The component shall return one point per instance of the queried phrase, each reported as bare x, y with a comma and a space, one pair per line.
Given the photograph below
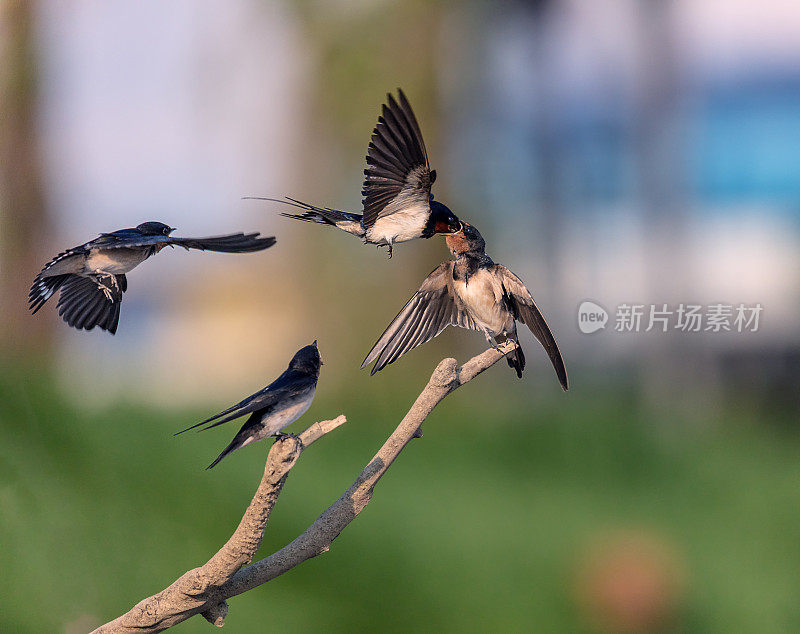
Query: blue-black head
307, 360
442, 219
154, 229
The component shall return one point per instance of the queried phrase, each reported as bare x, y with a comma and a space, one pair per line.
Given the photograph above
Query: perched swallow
397, 200
92, 279
470, 292
276, 406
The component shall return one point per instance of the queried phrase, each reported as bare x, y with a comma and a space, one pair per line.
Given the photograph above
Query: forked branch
204, 590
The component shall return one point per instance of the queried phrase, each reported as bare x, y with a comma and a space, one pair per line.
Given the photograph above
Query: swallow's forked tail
344, 220
235, 444
516, 360
43, 289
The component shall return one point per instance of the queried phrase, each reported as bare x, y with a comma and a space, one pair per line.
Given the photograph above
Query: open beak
454, 226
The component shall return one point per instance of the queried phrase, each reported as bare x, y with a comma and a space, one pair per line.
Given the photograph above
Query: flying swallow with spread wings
397, 202
91, 277
469, 292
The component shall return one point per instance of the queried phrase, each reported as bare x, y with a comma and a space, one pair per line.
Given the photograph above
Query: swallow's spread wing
87, 302
233, 243
398, 177
526, 311
285, 386
427, 313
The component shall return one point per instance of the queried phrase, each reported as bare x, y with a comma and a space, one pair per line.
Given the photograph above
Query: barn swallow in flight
276, 406
92, 279
470, 292
396, 197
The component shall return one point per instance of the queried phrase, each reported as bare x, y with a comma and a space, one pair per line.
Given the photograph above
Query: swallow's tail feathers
233, 243
43, 289
245, 436
516, 359
233, 446
345, 220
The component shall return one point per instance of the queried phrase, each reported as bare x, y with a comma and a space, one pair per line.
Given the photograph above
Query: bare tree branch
197, 591
204, 590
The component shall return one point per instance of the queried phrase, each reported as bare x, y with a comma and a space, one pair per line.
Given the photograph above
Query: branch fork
229, 572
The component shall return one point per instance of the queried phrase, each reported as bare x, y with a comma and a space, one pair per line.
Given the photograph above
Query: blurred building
630, 151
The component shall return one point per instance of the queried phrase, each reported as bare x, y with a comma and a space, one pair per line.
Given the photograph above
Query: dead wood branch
204, 590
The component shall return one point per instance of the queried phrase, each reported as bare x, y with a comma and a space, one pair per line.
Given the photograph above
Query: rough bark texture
204, 590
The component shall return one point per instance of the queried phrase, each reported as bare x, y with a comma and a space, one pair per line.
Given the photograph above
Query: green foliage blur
631, 504
506, 516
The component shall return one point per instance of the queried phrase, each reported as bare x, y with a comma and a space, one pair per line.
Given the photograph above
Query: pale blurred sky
175, 111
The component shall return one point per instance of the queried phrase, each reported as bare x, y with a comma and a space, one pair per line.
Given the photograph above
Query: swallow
91, 277
470, 292
397, 202
276, 406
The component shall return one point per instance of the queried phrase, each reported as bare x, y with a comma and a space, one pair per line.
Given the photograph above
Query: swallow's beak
315, 344
455, 225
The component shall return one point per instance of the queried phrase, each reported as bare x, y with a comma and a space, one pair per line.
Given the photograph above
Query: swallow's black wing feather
427, 313
86, 302
261, 400
398, 177
233, 243
526, 311
285, 386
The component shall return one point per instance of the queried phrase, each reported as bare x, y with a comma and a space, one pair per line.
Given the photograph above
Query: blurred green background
573, 514
625, 151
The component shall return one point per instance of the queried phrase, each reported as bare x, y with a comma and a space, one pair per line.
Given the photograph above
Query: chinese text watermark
671, 317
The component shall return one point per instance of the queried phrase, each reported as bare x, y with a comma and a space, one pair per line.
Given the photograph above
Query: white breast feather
400, 226
483, 304
115, 261
289, 414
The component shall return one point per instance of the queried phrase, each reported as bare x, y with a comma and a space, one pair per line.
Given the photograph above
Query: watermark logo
665, 317
591, 317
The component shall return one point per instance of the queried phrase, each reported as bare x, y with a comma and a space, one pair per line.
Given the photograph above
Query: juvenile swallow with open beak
470, 292
276, 406
91, 277
397, 202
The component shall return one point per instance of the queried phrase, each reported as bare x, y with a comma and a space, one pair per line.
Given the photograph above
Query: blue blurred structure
637, 152
625, 151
